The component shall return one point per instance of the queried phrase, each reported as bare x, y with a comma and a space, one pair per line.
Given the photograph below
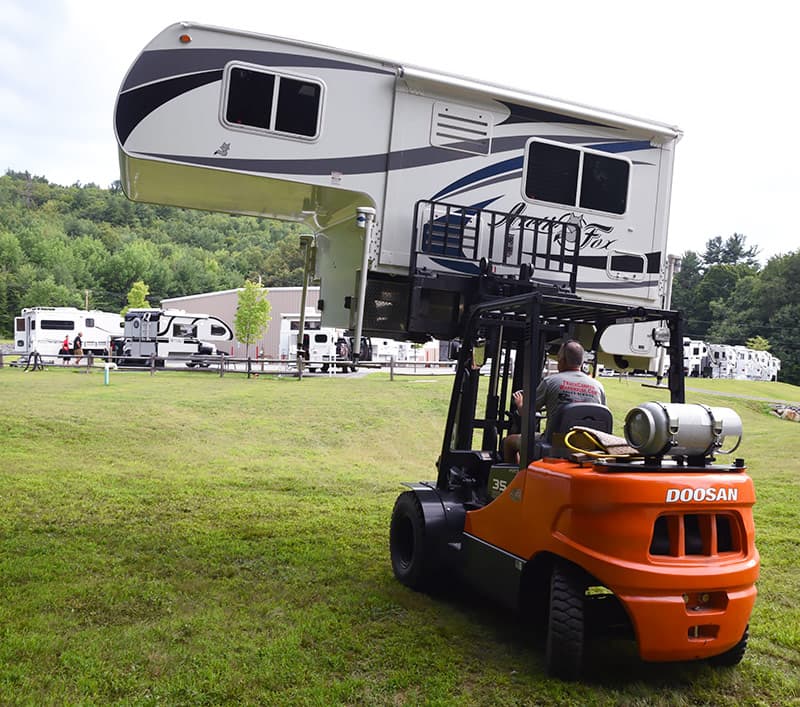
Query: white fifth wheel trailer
43, 330
426, 192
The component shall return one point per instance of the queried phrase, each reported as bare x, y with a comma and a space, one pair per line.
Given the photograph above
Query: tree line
69, 246
66, 246
727, 297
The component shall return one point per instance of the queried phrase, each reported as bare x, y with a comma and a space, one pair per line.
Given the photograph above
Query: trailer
161, 334
415, 183
42, 330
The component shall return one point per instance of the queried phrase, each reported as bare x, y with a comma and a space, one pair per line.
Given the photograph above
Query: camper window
179, 330
57, 324
251, 94
217, 330
562, 174
89, 322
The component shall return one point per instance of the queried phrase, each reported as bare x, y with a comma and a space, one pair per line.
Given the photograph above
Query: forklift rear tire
732, 656
566, 622
408, 545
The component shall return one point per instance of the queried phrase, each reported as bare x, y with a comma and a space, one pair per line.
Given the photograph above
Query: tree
757, 343
137, 297
252, 314
733, 251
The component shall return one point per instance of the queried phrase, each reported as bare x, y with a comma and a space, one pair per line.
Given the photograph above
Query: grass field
189, 539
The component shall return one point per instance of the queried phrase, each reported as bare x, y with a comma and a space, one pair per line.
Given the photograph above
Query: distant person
569, 385
77, 347
65, 353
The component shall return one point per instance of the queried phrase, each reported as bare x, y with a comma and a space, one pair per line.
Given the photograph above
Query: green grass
187, 539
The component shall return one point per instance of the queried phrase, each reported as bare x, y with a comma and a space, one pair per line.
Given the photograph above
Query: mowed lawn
189, 539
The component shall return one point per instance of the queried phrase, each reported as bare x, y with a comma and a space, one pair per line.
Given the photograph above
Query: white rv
323, 346
170, 333
723, 360
426, 192
43, 330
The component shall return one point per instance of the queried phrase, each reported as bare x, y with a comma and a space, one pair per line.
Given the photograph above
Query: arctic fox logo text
711, 494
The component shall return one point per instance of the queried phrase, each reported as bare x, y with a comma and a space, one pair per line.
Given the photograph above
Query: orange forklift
656, 542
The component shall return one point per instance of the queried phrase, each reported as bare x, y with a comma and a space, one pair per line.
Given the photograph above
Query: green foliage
137, 297
757, 343
732, 251
252, 314
82, 237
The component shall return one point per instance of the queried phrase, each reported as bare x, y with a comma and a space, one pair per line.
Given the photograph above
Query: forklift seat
593, 415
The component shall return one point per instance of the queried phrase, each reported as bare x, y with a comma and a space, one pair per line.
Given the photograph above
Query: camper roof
414, 74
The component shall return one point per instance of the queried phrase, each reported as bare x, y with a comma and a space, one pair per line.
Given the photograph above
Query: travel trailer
169, 333
43, 330
426, 192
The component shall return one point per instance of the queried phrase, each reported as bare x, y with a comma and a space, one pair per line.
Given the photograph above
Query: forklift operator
569, 385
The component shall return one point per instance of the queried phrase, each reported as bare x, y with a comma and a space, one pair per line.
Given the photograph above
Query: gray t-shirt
568, 387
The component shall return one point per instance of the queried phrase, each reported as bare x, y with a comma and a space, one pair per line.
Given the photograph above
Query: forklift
656, 543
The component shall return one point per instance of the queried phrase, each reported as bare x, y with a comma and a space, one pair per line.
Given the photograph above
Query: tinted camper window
57, 324
298, 107
269, 101
571, 176
250, 98
217, 330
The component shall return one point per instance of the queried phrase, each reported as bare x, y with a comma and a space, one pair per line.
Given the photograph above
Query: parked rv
170, 334
43, 329
321, 346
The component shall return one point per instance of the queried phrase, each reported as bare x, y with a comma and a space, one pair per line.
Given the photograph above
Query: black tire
732, 656
409, 546
566, 625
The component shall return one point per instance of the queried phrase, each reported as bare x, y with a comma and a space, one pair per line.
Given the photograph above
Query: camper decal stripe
469, 268
134, 106
367, 164
158, 64
527, 114
615, 147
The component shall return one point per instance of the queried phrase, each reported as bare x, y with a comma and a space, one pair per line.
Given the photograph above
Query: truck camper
169, 334
43, 329
415, 183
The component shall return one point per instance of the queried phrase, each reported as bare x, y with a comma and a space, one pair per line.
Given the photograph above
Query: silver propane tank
681, 429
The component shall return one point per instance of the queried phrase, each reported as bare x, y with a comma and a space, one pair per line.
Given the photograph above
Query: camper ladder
461, 240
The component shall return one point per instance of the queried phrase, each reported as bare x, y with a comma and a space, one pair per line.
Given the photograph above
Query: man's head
570, 356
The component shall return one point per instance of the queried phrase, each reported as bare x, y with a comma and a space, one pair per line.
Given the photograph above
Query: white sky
726, 73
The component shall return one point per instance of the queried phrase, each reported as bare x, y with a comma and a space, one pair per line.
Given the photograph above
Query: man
569, 385
77, 347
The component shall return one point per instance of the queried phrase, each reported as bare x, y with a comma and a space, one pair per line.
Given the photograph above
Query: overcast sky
725, 73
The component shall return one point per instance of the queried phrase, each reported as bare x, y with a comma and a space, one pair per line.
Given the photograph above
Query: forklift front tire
566, 622
408, 545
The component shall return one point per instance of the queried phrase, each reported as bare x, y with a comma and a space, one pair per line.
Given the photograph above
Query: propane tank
681, 429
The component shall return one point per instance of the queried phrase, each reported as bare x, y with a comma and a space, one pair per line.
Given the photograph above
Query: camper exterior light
185, 39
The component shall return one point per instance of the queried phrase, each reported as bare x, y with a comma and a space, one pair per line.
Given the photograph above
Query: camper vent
462, 129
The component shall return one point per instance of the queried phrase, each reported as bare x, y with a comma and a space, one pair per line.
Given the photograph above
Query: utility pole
86, 300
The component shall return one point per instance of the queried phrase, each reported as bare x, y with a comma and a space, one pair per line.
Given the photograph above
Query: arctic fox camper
43, 329
426, 192
170, 333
